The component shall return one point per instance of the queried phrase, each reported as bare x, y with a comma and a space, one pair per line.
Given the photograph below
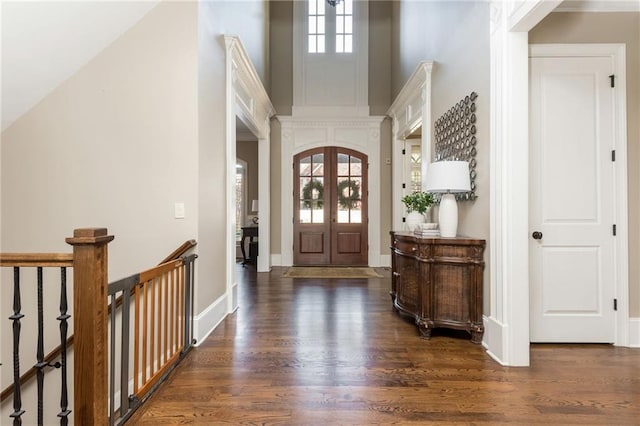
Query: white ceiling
46, 42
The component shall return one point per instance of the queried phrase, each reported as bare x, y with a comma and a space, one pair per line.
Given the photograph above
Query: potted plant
417, 205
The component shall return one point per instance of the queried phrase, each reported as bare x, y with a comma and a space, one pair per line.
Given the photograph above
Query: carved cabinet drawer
405, 247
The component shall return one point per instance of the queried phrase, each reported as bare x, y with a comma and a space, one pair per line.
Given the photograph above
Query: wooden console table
438, 282
248, 232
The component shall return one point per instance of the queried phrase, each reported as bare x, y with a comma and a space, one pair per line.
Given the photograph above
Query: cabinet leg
476, 336
425, 331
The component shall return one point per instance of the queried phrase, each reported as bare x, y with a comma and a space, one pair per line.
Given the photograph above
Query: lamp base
448, 216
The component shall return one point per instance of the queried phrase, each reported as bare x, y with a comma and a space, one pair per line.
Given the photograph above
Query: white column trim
247, 99
507, 337
410, 110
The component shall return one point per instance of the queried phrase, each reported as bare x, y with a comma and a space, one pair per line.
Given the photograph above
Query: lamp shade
448, 177
254, 206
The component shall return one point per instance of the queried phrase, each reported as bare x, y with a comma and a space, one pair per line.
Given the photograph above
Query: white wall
140, 127
455, 35
248, 20
114, 146
32, 32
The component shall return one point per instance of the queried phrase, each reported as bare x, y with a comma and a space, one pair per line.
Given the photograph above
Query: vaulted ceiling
45, 43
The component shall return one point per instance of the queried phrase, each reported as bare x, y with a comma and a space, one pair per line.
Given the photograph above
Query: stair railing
94, 382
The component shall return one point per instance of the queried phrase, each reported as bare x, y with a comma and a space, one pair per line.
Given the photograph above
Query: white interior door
572, 264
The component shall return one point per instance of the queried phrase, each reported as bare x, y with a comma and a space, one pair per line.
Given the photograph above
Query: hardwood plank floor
317, 352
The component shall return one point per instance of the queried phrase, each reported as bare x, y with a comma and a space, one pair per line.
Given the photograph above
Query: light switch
178, 210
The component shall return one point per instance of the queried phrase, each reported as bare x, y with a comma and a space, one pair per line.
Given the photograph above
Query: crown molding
599, 6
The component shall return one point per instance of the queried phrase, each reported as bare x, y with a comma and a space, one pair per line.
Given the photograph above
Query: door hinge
613, 155
614, 230
615, 304
404, 151
404, 219
612, 79
404, 185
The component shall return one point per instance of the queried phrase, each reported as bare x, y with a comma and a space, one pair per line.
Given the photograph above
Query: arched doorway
330, 215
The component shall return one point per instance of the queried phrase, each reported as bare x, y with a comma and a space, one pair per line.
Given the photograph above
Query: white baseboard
493, 340
207, 320
385, 260
634, 332
276, 260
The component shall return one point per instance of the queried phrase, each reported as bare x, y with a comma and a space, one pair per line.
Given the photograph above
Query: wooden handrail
44, 260
185, 247
62, 260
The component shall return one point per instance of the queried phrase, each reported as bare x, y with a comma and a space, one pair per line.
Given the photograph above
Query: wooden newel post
90, 325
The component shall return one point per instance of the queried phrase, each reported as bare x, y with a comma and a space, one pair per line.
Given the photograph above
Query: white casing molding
524, 15
507, 336
410, 110
247, 99
617, 57
359, 134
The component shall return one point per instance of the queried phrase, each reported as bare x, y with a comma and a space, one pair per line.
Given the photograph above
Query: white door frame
410, 110
361, 134
247, 99
616, 54
507, 322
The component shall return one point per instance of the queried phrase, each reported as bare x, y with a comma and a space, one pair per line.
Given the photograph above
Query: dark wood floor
309, 351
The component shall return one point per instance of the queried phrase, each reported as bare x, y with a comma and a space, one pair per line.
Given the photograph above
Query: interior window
316, 26
344, 26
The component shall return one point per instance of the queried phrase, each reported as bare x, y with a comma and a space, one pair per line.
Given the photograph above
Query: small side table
250, 232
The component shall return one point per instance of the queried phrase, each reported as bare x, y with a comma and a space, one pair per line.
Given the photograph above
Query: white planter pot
413, 219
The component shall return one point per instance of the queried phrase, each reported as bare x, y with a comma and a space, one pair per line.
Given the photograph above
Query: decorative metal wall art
455, 137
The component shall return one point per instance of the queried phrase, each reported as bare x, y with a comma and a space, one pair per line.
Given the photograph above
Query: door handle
537, 235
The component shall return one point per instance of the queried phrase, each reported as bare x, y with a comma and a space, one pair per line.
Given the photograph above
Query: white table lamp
448, 177
254, 208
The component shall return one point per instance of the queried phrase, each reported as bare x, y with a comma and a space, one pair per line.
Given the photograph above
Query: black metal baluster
124, 352
64, 316
17, 307
112, 362
40, 351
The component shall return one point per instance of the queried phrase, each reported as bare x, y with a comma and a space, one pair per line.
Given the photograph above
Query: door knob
537, 235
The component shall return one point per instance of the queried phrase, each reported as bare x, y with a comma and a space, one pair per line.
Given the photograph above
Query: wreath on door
348, 194
307, 194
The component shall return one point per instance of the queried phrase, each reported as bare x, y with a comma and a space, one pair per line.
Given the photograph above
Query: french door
330, 207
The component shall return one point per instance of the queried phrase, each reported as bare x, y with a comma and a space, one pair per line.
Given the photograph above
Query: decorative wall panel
455, 138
